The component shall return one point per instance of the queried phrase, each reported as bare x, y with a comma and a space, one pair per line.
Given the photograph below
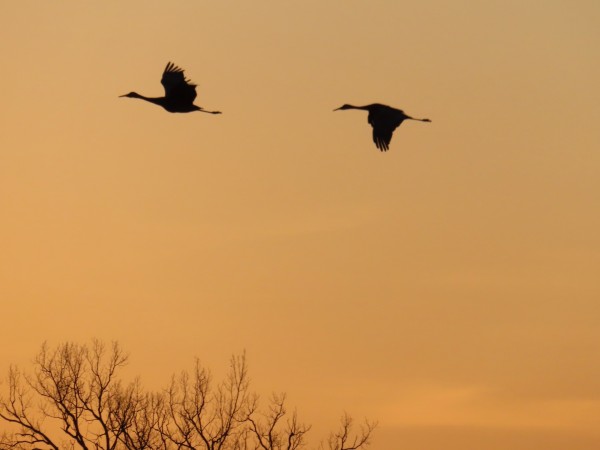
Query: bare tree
270, 432
202, 417
76, 399
77, 391
141, 417
17, 409
347, 439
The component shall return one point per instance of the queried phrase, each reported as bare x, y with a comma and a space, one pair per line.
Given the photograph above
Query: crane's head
346, 106
131, 95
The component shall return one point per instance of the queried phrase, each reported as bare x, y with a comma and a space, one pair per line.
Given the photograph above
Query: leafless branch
269, 431
75, 399
346, 439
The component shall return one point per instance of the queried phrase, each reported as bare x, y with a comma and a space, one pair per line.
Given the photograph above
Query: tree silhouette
269, 431
76, 399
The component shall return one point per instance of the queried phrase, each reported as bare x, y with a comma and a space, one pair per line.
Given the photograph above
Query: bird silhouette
179, 92
384, 120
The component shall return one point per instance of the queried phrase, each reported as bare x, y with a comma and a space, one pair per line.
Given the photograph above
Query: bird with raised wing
384, 120
180, 93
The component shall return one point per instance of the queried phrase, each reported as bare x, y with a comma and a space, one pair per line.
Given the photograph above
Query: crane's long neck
156, 100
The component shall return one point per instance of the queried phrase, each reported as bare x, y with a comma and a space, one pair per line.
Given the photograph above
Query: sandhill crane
179, 93
384, 120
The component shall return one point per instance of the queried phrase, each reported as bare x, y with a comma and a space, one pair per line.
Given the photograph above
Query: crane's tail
209, 112
420, 120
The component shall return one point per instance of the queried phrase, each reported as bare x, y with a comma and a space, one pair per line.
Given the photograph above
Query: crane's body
384, 120
179, 93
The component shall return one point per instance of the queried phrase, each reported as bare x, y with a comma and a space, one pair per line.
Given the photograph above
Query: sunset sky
449, 288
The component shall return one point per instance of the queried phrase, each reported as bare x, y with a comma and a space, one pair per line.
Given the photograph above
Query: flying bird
179, 92
384, 120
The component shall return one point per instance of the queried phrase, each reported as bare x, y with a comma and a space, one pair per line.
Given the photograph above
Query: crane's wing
382, 138
176, 86
383, 129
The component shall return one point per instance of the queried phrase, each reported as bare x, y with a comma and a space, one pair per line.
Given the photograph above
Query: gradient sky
449, 288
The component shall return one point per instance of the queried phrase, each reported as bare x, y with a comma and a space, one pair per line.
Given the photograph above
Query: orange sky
448, 288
